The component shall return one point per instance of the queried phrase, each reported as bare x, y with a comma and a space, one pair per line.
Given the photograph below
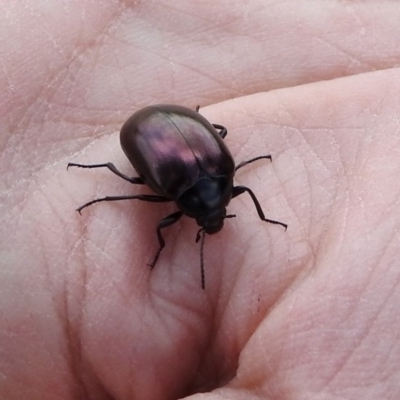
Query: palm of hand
310, 312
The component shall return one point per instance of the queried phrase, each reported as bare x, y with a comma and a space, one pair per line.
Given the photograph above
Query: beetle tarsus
155, 259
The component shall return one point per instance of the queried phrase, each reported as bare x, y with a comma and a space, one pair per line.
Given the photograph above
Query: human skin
310, 313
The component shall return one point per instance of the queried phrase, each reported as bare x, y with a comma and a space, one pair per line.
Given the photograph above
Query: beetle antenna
203, 235
198, 235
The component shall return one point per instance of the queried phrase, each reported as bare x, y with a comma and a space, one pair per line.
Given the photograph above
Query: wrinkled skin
311, 313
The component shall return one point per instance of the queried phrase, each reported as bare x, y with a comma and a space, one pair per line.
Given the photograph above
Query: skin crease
311, 313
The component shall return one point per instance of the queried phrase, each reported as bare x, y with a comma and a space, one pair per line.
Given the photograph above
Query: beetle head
213, 221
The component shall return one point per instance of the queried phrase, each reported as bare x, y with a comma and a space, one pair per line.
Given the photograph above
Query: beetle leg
222, 130
143, 197
243, 163
238, 190
167, 221
112, 168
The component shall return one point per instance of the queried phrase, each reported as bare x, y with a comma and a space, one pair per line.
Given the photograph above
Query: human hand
307, 313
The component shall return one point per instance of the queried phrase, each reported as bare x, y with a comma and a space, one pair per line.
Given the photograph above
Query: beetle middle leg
243, 163
113, 169
167, 221
238, 190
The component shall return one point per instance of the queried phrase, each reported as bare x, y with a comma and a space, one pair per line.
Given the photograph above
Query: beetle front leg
238, 190
112, 168
167, 221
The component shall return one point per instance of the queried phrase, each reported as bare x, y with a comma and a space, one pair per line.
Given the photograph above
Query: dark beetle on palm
182, 157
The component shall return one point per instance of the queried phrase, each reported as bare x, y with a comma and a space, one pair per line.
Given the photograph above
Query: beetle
182, 157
